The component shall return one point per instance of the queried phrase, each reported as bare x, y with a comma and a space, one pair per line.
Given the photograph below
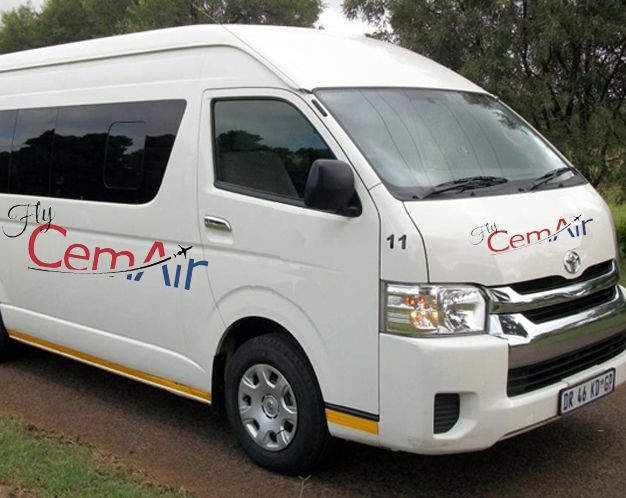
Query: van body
326, 234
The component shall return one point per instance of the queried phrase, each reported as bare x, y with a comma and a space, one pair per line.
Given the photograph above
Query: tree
152, 14
106, 17
62, 21
560, 63
18, 29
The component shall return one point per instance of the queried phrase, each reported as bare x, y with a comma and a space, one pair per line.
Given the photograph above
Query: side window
114, 152
103, 152
265, 145
32, 151
79, 148
7, 126
123, 167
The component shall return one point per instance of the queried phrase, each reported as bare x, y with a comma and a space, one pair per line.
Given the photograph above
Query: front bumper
413, 371
561, 348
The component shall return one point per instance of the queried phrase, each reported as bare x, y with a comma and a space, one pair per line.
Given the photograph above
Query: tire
8, 346
285, 384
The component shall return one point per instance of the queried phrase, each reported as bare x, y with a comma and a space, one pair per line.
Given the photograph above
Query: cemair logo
500, 241
80, 259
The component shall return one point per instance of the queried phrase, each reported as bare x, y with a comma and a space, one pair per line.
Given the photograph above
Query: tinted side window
32, 150
123, 168
7, 125
265, 145
80, 145
114, 152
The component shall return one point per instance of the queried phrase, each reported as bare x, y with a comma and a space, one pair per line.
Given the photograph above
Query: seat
258, 169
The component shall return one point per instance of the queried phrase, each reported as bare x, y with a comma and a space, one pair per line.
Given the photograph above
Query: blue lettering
192, 264
166, 275
177, 277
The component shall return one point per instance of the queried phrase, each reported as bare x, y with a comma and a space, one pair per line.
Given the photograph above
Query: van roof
304, 58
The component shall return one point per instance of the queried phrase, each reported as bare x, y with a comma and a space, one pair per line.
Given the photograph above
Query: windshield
417, 140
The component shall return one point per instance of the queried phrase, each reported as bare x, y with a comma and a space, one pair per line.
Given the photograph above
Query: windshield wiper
550, 175
471, 182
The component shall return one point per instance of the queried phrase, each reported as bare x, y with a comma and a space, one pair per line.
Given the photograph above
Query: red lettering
31, 245
69, 254
538, 235
489, 241
516, 239
114, 256
158, 248
560, 224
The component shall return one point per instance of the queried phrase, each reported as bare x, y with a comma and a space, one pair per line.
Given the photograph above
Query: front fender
266, 303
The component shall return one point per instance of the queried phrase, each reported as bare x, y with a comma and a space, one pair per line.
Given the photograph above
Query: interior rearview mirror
330, 187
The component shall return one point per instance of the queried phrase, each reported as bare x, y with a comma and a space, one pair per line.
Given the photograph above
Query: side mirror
330, 187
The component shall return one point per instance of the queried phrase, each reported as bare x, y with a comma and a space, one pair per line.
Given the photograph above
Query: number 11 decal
392, 238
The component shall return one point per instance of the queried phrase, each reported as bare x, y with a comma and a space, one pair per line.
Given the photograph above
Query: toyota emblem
571, 262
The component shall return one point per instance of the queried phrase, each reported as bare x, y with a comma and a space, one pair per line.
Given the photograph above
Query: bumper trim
532, 343
530, 378
505, 300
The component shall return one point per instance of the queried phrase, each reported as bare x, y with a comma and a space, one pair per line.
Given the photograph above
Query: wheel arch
237, 334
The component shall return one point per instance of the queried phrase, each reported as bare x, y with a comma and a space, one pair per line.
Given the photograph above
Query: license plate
584, 393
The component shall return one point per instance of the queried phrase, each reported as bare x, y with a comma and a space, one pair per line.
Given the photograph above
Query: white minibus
324, 235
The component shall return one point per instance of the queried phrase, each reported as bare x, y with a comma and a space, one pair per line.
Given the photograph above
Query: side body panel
314, 273
148, 323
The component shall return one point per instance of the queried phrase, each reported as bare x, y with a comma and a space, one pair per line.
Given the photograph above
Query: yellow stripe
352, 421
131, 372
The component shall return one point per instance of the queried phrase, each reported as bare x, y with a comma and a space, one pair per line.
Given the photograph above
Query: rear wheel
275, 406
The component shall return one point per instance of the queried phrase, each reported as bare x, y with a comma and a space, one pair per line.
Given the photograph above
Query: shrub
619, 215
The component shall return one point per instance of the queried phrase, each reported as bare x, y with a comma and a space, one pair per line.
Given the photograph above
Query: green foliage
63, 21
613, 193
153, 14
560, 63
19, 31
35, 464
619, 216
143, 15
105, 17
281, 12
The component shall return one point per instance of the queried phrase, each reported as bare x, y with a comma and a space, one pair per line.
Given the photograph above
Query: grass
619, 213
33, 463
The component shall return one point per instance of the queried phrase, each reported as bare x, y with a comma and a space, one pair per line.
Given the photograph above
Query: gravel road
180, 442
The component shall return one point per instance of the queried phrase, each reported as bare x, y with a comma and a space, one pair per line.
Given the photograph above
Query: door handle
217, 223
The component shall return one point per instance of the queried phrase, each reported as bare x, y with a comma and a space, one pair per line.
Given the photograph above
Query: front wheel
7, 345
275, 406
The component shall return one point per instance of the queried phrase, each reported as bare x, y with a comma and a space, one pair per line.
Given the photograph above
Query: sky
332, 19
10, 4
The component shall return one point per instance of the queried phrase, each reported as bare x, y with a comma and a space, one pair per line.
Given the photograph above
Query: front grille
447, 407
529, 378
556, 281
555, 311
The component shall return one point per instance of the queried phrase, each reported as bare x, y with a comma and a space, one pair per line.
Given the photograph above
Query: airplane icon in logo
183, 251
577, 218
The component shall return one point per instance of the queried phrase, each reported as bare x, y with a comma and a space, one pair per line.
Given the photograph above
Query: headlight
434, 310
